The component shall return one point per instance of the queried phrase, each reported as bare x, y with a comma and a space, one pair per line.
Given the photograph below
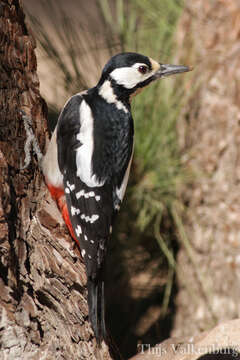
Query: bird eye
143, 69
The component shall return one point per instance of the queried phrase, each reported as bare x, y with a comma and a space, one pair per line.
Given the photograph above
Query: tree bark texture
43, 306
209, 286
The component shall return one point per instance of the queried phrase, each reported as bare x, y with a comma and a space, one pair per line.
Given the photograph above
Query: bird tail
96, 304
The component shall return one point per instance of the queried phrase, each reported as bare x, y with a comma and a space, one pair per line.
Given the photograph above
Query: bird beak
168, 70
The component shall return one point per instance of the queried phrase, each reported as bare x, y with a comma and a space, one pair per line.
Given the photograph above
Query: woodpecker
88, 160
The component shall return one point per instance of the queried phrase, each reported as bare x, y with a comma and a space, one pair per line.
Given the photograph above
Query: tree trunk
209, 35
43, 302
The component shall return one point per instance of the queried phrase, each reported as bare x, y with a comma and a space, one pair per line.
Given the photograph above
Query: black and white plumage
94, 141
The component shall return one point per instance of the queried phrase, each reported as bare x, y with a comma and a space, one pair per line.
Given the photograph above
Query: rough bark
209, 35
43, 304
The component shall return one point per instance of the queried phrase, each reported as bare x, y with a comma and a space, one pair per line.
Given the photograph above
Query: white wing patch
50, 166
129, 77
85, 152
71, 186
83, 253
90, 219
121, 190
106, 91
74, 211
87, 195
78, 230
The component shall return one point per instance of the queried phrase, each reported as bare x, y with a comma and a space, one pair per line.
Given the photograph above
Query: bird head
128, 73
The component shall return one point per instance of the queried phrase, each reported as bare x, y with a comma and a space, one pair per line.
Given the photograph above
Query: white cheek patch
129, 77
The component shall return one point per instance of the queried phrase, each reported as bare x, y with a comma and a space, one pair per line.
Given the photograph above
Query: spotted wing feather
91, 213
90, 208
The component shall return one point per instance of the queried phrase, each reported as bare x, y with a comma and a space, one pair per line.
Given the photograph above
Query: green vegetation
148, 27
147, 220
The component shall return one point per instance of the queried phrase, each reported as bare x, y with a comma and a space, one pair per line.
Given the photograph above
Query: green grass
148, 27
158, 172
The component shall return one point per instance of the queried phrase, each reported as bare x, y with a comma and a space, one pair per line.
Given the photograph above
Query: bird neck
111, 92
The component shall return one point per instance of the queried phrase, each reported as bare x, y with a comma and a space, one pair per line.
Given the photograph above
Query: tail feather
96, 304
102, 315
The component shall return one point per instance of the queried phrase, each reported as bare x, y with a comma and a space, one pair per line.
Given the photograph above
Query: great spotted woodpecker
88, 160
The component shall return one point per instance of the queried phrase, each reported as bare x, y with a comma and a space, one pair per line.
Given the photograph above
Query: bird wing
90, 202
93, 193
